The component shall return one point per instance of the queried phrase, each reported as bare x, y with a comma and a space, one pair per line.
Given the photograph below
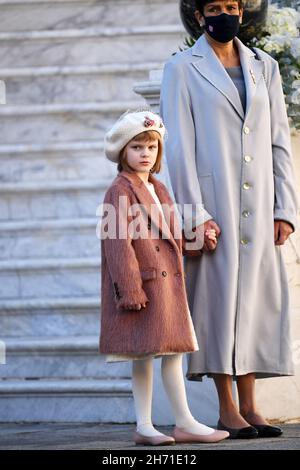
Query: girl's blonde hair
145, 137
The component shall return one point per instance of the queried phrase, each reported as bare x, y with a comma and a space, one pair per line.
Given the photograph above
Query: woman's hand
282, 231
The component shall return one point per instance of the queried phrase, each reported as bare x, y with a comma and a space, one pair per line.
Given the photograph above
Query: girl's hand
132, 300
210, 239
134, 306
211, 234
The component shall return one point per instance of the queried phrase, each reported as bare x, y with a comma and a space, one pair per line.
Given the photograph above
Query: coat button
157, 248
246, 214
246, 130
164, 273
244, 241
247, 158
246, 186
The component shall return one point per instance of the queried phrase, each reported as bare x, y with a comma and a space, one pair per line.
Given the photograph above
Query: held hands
211, 234
208, 232
282, 231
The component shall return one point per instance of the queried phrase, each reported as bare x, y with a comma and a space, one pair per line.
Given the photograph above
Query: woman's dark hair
200, 4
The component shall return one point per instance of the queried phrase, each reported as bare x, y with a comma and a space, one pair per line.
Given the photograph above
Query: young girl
144, 306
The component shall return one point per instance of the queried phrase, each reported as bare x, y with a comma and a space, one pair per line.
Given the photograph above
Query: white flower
275, 43
295, 47
282, 21
282, 30
295, 96
283, 42
296, 84
295, 73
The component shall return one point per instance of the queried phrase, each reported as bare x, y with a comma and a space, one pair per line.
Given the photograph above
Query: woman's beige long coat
238, 167
143, 270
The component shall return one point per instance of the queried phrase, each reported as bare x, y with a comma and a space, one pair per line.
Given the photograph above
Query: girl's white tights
172, 375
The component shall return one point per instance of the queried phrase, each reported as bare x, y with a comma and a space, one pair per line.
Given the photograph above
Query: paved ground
71, 436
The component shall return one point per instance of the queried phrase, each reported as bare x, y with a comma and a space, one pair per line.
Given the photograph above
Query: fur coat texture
143, 270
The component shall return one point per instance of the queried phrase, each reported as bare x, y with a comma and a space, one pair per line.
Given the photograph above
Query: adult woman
229, 156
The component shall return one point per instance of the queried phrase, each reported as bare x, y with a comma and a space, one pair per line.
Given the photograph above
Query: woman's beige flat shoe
141, 440
182, 436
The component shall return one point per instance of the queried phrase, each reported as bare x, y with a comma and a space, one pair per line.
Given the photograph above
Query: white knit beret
128, 126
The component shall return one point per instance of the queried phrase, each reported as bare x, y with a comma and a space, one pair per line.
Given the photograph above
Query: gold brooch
253, 76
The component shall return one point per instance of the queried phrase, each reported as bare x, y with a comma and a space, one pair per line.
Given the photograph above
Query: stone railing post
2, 92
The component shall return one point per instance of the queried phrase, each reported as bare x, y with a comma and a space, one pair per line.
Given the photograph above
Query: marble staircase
69, 67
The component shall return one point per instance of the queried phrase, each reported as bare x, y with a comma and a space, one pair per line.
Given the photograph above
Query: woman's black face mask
222, 28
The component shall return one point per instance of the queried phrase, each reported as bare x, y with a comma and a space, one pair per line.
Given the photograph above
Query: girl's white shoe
183, 436
161, 440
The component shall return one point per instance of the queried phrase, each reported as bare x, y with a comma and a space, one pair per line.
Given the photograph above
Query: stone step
92, 45
66, 400
53, 15
62, 166
63, 356
49, 148
51, 200
60, 122
25, 163
87, 83
51, 278
50, 317
69, 71
69, 238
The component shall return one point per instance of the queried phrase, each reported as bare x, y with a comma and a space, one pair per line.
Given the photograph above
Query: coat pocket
147, 274
207, 189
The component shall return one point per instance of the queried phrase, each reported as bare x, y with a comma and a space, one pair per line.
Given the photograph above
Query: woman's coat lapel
210, 67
